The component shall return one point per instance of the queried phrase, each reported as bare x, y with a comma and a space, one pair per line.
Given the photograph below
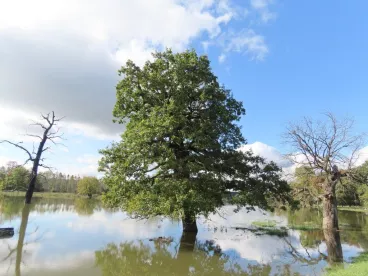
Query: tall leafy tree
178, 156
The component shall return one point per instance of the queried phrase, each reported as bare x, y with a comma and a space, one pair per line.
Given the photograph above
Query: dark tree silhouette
50, 133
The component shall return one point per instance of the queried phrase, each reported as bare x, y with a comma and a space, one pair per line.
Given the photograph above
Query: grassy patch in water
358, 267
264, 223
272, 231
353, 209
304, 227
268, 227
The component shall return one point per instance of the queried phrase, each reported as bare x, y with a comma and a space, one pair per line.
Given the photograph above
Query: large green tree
178, 155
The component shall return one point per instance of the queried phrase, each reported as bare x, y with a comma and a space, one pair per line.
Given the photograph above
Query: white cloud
267, 152
272, 154
262, 7
64, 55
246, 41
222, 58
362, 156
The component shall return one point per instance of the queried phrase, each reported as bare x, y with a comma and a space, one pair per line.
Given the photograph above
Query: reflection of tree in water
11, 206
18, 250
166, 258
85, 206
22, 234
353, 225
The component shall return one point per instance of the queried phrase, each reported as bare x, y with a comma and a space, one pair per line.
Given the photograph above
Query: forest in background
306, 184
14, 177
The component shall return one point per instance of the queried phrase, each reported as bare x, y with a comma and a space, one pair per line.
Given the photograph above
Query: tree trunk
31, 187
36, 163
330, 219
333, 243
189, 224
330, 223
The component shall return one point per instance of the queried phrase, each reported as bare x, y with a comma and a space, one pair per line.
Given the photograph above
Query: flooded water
79, 237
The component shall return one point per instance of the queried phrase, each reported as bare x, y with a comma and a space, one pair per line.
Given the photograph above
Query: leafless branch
322, 145
18, 146
46, 167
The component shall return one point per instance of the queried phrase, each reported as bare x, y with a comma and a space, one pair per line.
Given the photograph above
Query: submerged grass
268, 227
306, 226
358, 267
264, 223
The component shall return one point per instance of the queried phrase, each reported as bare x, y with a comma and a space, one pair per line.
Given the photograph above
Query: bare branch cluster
51, 133
323, 145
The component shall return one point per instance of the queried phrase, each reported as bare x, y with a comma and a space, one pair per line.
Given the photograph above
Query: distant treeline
14, 177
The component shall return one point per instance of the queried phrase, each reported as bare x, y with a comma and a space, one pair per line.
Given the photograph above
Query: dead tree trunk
330, 219
36, 157
36, 164
333, 243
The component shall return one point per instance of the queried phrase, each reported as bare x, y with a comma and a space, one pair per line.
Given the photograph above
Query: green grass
353, 208
264, 223
45, 195
305, 226
359, 267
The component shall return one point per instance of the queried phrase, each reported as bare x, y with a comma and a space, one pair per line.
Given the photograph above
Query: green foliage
178, 155
17, 179
88, 186
306, 187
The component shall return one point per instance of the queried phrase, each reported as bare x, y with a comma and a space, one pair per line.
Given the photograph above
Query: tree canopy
178, 155
89, 186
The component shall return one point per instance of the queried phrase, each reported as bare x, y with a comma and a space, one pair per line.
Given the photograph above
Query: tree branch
18, 146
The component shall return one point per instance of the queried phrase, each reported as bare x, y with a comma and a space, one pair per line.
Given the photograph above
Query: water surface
79, 237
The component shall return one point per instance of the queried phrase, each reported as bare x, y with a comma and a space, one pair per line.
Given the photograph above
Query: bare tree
330, 149
50, 133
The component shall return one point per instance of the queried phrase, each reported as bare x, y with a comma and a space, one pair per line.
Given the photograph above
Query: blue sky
283, 59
